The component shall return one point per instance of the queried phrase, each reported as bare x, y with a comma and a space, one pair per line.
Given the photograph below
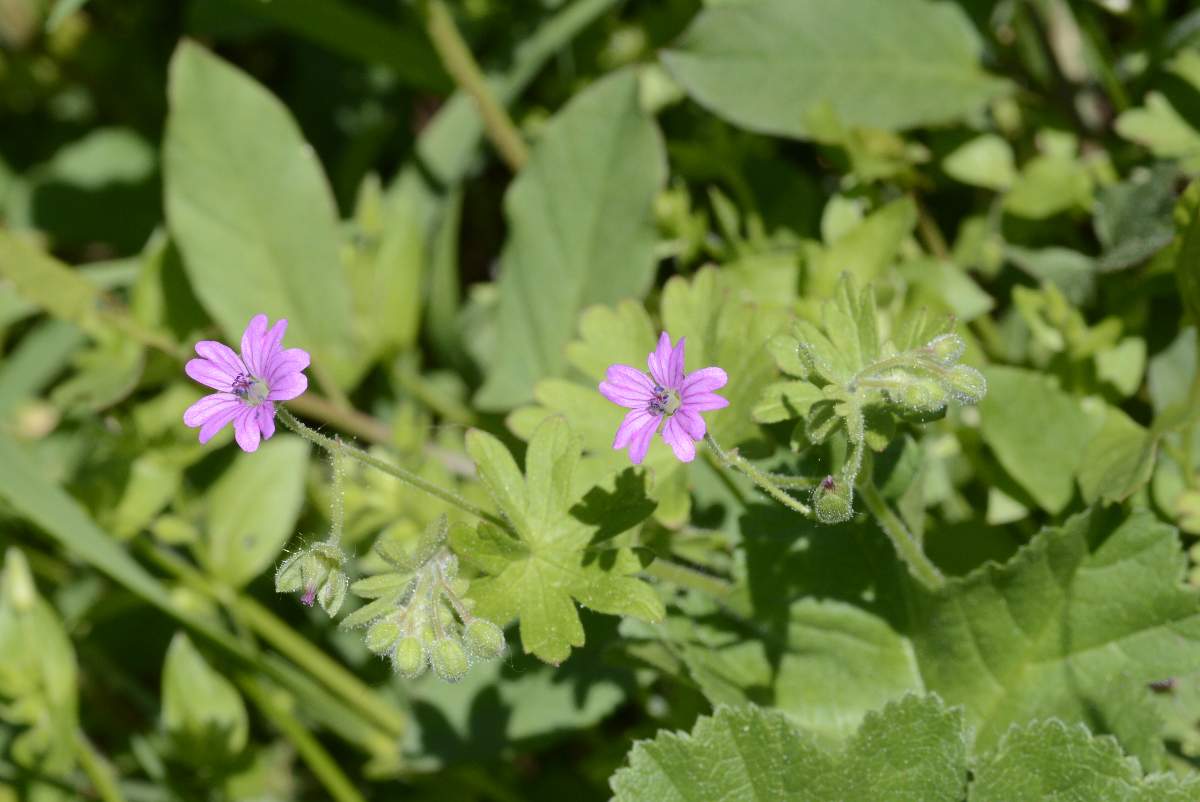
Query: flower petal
289, 360
254, 344
659, 361
287, 388
198, 413
679, 441
675, 365
704, 402
210, 374
222, 355
266, 420
245, 429
627, 386
639, 443
691, 422
217, 421
633, 423
704, 380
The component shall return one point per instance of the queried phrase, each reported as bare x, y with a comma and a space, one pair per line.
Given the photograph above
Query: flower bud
290, 575
947, 348
409, 659
333, 592
449, 659
831, 501
381, 636
483, 639
923, 395
967, 384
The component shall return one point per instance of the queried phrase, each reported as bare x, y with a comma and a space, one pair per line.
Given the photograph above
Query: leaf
1047, 185
252, 213
537, 573
1118, 459
1029, 763
912, 749
985, 161
865, 251
1044, 634
1163, 130
253, 509
202, 712
767, 65
581, 232
1043, 451
1133, 218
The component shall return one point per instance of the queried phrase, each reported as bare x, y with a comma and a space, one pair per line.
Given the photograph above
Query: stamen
241, 385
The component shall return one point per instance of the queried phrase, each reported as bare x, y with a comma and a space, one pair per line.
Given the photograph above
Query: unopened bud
967, 384
923, 395
947, 348
449, 659
381, 636
409, 659
483, 639
831, 501
333, 592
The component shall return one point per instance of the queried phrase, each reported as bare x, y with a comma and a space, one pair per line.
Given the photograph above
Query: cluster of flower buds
925, 379
318, 572
420, 615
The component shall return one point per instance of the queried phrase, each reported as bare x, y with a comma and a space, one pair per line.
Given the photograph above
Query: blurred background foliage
1036, 194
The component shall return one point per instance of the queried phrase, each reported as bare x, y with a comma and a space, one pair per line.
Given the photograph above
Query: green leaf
537, 573
202, 712
253, 509
865, 251
912, 749
1118, 459
1163, 130
1043, 451
786, 400
1133, 218
581, 232
1044, 634
252, 213
1048, 185
767, 65
1052, 760
985, 161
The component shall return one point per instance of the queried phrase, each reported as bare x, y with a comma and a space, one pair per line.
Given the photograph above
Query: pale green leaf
580, 232
985, 161
202, 713
767, 65
1118, 459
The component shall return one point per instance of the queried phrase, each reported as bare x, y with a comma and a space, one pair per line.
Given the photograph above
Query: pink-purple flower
668, 396
248, 385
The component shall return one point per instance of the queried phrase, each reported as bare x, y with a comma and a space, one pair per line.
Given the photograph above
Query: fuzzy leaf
537, 574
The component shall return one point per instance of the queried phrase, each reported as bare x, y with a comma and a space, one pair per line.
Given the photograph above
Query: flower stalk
735, 461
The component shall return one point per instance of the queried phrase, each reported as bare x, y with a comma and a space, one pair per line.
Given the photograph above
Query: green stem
739, 463
459, 62
337, 518
329, 444
906, 545
323, 766
682, 575
98, 770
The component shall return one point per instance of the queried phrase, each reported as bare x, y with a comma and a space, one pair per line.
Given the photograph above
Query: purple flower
666, 394
247, 386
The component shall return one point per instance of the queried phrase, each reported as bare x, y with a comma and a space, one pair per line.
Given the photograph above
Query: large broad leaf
769, 64
253, 509
913, 749
1095, 601
251, 211
559, 549
581, 232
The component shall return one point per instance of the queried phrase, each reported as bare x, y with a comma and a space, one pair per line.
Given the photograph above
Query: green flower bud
947, 348
381, 636
289, 577
831, 501
923, 395
483, 639
410, 658
967, 384
449, 659
333, 592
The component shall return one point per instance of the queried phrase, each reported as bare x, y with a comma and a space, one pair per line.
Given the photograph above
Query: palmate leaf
550, 560
914, 749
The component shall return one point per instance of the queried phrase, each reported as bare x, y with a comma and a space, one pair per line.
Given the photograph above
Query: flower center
250, 389
665, 401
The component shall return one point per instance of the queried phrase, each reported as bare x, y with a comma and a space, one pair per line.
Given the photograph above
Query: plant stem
314, 755
337, 517
682, 575
98, 770
347, 419
906, 545
931, 235
739, 463
461, 65
329, 444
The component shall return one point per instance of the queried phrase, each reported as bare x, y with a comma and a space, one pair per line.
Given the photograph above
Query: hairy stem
97, 769
906, 545
329, 444
739, 463
461, 65
337, 517
322, 764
